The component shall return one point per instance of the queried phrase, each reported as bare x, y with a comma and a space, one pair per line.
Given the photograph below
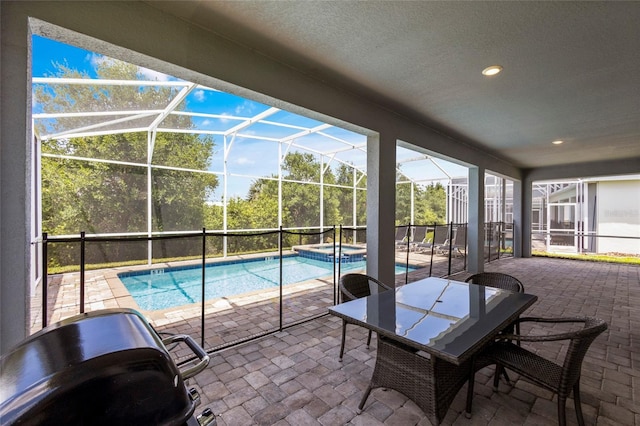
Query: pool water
167, 288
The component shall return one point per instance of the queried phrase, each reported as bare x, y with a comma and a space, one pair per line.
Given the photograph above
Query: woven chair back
355, 286
497, 280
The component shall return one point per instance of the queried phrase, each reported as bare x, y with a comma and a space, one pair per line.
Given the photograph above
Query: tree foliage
112, 197
429, 204
100, 184
301, 201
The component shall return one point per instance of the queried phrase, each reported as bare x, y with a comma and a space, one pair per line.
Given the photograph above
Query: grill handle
197, 350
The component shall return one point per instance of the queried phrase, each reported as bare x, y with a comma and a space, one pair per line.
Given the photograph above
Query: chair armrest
380, 284
536, 338
350, 296
547, 337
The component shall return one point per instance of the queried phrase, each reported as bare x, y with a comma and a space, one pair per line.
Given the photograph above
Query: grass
590, 257
53, 270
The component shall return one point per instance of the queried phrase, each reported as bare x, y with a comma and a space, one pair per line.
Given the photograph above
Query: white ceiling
571, 69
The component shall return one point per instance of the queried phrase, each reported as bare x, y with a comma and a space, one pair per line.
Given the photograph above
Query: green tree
429, 203
403, 201
107, 197
300, 201
344, 196
432, 206
331, 197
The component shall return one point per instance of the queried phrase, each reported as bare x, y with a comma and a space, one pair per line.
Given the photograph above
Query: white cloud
96, 59
244, 161
245, 108
206, 122
225, 120
199, 95
153, 75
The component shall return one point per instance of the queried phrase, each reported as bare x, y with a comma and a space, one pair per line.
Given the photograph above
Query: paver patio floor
294, 377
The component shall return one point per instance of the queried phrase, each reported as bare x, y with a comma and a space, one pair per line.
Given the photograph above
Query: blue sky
249, 156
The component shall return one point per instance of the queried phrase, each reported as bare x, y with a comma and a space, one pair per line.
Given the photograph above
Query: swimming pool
170, 287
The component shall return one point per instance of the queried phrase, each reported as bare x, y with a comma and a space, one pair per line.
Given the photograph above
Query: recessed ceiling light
557, 142
492, 70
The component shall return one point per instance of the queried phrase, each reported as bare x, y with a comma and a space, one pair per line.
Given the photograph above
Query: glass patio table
428, 332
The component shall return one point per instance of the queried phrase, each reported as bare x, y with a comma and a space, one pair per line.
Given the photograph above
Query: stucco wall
618, 206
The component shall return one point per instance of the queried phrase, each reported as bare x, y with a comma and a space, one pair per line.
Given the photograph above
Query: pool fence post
45, 279
406, 268
280, 251
433, 243
490, 238
450, 246
204, 258
335, 290
82, 269
466, 244
500, 230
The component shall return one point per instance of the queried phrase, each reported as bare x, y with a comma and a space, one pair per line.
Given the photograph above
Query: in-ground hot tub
325, 252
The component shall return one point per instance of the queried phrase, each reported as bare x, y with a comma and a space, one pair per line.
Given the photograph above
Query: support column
526, 203
15, 178
475, 230
381, 207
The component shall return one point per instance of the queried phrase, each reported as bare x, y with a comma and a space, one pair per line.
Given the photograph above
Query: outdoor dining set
434, 334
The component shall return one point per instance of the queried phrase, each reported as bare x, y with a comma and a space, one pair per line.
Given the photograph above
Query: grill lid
102, 368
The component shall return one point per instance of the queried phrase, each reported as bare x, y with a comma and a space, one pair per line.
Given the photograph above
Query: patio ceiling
570, 68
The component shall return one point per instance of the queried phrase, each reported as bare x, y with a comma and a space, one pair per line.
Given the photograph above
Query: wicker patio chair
501, 281
558, 378
355, 286
504, 282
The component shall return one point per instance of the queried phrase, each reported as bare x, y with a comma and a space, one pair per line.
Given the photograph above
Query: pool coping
313, 251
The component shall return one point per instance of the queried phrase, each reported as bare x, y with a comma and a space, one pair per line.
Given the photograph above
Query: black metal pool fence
83, 250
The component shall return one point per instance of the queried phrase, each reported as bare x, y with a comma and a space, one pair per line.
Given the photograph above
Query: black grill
100, 368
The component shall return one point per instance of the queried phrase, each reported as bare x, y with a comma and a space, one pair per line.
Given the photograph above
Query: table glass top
440, 316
